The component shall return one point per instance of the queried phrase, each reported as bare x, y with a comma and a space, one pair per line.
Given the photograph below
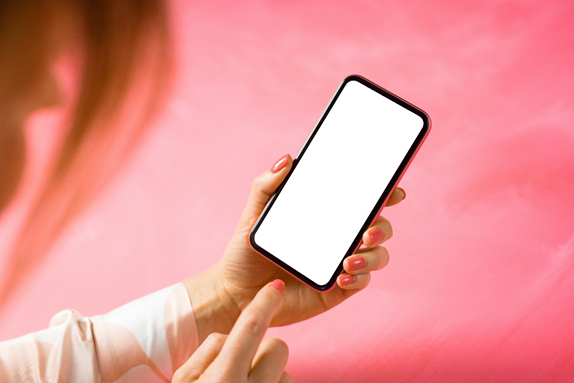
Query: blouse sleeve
143, 341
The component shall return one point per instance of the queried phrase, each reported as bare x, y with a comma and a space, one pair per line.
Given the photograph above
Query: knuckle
221, 373
216, 375
387, 228
278, 347
226, 376
366, 279
382, 258
258, 182
215, 338
252, 323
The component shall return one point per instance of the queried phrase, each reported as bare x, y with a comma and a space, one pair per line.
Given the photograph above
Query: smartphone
339, 182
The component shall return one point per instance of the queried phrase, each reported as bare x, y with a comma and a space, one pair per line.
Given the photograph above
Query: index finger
247, 333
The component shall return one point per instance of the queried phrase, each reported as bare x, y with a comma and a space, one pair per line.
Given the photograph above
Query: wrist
214, 308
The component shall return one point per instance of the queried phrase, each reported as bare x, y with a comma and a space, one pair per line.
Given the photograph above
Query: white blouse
143, 341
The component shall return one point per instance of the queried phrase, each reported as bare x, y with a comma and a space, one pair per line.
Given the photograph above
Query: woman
115, 43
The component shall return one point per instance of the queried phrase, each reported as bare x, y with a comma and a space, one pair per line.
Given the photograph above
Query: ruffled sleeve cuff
148, 338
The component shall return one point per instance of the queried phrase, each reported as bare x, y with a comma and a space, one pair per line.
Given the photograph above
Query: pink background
480, 286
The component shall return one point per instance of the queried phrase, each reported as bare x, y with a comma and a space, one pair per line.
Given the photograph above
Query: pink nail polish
278, 285
356, 263
375, 235
347, 279
280, 164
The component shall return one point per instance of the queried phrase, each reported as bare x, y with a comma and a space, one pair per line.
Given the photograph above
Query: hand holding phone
242, 272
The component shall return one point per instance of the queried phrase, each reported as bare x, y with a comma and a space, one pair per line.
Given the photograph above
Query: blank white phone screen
338, 181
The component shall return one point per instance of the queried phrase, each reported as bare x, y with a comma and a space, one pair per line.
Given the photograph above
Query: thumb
262, 189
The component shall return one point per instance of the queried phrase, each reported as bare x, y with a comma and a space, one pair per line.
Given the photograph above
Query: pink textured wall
481, 281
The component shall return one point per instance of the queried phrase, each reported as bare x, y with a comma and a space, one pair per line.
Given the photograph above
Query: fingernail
278, 285
375, 235
356, 263
280, 164
347, 279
